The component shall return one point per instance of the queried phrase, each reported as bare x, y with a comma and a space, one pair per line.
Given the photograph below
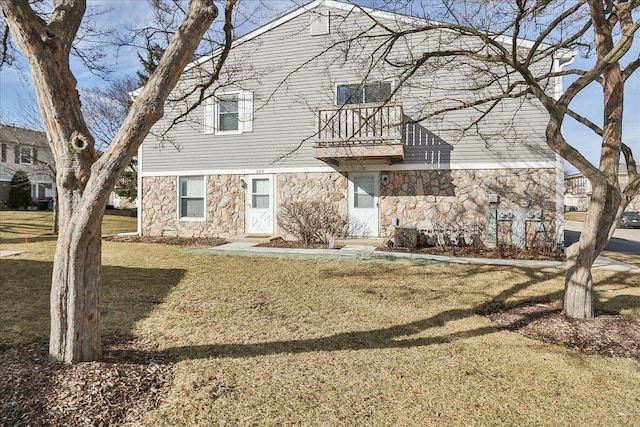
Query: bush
311, 221
20, 191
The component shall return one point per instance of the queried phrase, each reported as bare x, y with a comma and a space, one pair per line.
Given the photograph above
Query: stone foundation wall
225, 208
423, 199
433, 199
330, 188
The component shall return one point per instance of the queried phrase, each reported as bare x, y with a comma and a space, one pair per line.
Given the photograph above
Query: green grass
261, 341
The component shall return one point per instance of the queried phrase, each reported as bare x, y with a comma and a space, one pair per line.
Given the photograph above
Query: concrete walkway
9, 253
368, 251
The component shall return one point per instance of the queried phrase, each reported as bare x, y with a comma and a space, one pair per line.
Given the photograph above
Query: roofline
260, 30
565, 56
348, 7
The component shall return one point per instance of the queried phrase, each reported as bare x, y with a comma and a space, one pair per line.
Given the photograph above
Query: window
363, 192
363, 93
3, 149
25, 155
34, 191
260, 193
229, 113
191, 195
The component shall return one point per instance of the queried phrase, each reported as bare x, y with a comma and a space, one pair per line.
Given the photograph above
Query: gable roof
301, 10
564, 55
16, 135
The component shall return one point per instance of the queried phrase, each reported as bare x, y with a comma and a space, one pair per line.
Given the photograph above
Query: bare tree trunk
596, 232
84, 183
75, 295
578, 301
55, 213
606, 199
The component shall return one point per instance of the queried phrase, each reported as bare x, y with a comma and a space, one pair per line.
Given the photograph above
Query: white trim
355, 168
272, 202
559, 62
216, 112
209, 117
376, 200
259, 31
347, 7
320, 23
139, 191
21, 147
179, 216
248, 171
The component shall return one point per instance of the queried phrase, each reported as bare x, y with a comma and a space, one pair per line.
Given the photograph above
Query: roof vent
319, 23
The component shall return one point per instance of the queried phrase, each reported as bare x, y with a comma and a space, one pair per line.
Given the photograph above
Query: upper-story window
25, 155
229, 113
363, 93
3, 152
227, 118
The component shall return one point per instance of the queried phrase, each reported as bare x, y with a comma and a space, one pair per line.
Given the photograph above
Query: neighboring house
290, 122
578, 190
27, 151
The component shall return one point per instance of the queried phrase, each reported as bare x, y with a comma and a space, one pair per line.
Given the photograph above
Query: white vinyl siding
191, 197
319, 23
25, 155
285, 88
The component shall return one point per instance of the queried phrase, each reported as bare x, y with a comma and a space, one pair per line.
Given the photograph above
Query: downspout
560, 61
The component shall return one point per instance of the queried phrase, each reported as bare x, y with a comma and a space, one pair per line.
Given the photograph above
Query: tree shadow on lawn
29, 239
399, 336
127, 295
39, 392
141, 370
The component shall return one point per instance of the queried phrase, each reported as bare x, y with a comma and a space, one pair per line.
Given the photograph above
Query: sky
17, 97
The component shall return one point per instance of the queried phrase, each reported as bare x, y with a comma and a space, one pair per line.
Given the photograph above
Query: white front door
364, 192
260, 204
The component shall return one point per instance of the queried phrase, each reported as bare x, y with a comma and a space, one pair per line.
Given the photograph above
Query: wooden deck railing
354, 124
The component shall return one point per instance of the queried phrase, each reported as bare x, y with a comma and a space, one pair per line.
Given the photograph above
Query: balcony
359, 132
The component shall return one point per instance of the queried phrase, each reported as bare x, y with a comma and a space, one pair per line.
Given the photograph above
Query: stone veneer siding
225, 208
424, 199
330, 188
432, 199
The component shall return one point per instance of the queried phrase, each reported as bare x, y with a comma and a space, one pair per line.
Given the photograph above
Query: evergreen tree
20, 191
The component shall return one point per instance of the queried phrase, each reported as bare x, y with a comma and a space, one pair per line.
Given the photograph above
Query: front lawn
263, 341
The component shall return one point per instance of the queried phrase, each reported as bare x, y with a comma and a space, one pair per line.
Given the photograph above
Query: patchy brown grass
264, 341
575, 216
626, 258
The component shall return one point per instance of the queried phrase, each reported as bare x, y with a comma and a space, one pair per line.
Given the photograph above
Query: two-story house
578, 190
306, 110
25, 150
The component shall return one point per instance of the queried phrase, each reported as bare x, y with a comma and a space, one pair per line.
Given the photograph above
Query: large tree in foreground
84, 182
505, 42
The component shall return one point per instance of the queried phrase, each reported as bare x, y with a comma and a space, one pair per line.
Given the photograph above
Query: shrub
311, 221
20, 191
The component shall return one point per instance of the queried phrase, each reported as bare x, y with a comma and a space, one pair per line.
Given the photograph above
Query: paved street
625, 240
